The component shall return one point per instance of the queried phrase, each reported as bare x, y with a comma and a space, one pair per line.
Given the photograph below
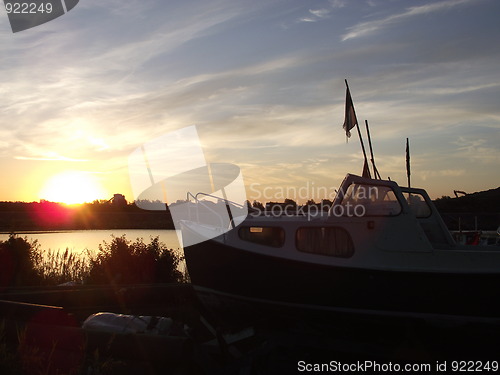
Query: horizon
264, 85
300, 201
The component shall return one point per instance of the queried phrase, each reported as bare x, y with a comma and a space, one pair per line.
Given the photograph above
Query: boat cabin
366, 215
368, 198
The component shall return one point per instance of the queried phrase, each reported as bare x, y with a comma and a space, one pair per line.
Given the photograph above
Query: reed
59, 267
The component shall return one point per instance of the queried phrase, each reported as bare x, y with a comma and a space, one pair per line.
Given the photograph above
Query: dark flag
350, 120
408, 173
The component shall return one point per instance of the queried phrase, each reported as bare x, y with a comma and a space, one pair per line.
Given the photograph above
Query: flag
407, 158
350, 120
366, 170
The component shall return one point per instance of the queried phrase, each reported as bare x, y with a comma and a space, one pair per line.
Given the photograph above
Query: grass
119, 261
20, 356
58, 267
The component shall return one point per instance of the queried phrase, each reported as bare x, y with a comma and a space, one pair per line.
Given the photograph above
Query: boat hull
238, 283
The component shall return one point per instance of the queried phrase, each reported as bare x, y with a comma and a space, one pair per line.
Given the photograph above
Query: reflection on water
78, 241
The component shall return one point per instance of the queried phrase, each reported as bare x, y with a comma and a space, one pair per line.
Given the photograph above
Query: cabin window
368, 200
331, 241
417, 204
268, 236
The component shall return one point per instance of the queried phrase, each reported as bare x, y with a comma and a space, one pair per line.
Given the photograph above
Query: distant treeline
482, 207
44, 215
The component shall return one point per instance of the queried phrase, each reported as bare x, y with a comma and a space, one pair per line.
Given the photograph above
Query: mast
375, 171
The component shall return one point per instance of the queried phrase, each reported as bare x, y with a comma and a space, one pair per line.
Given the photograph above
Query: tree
258, 205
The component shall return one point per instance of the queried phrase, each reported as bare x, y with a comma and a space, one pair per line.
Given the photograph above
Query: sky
263, 81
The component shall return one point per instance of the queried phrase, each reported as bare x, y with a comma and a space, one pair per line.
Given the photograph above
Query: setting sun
73, 187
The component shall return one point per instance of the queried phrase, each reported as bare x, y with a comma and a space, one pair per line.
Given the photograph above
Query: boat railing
198, 202
227, 201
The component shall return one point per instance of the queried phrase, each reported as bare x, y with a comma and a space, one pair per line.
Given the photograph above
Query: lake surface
79, 241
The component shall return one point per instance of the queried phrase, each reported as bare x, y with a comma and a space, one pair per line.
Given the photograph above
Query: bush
18, 262
124, 262
22, 263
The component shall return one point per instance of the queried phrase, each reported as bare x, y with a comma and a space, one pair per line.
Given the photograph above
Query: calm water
79, 241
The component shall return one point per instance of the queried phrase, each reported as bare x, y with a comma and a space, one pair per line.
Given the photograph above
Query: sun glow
73, 187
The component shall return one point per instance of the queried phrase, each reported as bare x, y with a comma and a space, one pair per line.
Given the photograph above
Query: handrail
219, 198
189, 206
195, 197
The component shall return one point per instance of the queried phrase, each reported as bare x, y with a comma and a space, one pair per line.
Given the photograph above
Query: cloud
426, 174
461, 89
318, 14
478, 150
370, 27
337, 3
55, 157
307, 19
68, 92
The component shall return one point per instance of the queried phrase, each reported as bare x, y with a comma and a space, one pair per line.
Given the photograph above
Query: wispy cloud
367, 28
55, 158
426, 174
461, 89
478, 150
320, 13
337, 3
315, 15
96, 77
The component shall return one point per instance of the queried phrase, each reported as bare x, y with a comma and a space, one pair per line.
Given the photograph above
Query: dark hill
483, 207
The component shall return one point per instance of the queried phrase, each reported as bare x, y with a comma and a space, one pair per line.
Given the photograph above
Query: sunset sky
263, 81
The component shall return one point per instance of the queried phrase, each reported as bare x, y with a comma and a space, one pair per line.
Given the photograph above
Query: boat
381, 249
396, 259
